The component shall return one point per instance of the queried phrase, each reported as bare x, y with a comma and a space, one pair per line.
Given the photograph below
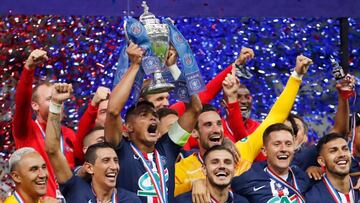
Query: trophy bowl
154, 60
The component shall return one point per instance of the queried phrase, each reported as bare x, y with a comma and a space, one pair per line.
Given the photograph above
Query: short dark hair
96, 128
34, 96
90, 155
205, 108
163, 112
273, 128
291, 118
218, 148
133, 110
327, 138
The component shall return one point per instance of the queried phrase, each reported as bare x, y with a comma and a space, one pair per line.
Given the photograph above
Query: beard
336, 172
221, 186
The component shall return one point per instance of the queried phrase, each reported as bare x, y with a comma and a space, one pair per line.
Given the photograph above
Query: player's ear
16, 177
89, 168
263, 150
320, 160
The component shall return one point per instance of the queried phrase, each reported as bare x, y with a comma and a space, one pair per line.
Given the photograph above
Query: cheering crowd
184, 152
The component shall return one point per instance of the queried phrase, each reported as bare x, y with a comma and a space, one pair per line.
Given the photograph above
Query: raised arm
60, 93
87, 121
22, 118
119, 96
341, 124
180, 131
214, 86
234, 117
250, 148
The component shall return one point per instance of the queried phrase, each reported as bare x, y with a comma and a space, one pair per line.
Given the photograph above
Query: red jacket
27, 133
86, 124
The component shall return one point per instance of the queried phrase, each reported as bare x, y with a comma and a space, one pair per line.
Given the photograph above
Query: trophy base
160, 88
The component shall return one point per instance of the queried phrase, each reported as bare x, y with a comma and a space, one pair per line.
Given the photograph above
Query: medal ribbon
353, 126
18, 197
160, 189
62, 147
334, 193
231, 197
294, 188
114, 198
200, 159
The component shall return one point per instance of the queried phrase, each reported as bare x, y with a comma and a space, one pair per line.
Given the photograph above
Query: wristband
297, 75
178, 135
175, 71
55, 108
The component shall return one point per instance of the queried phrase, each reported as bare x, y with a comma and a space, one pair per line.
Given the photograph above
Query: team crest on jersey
284, 199
146, 186
280, 193
244, 139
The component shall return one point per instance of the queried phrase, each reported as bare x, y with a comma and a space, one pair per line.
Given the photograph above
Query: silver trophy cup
155, 62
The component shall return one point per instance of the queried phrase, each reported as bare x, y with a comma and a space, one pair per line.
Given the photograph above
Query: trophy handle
126, 35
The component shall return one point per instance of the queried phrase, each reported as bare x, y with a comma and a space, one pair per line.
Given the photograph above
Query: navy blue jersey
320, 194
305, 157
186, 198
76, 190
355, 165
133, 175
257, 185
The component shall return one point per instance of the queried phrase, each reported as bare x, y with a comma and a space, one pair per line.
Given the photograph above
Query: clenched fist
61, 92
102, 93
245, 55
302, 64
36, 58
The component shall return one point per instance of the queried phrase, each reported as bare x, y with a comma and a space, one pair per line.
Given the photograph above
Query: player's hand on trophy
61, 92
302, 64
102, 93
172, 56
245, 55
135, 53
36, 58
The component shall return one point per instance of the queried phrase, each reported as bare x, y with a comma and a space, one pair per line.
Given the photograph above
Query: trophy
154, 60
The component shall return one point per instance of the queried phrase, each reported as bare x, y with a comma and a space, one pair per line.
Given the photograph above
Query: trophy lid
148, 17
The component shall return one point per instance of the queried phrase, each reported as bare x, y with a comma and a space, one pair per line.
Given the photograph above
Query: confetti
84, 50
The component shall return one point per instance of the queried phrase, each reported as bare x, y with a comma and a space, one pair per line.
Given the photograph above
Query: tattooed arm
62, 170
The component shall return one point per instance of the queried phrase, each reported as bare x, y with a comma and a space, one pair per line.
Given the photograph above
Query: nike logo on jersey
258, 188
